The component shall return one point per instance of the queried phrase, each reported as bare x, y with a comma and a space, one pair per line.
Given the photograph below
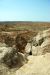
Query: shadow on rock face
14, 59
38, 43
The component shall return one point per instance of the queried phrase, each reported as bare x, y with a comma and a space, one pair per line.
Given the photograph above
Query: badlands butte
24, 48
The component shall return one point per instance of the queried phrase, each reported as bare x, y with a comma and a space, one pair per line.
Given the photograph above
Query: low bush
21, 43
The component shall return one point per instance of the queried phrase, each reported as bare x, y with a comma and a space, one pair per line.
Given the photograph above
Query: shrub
14, 59
20, 43
9, 41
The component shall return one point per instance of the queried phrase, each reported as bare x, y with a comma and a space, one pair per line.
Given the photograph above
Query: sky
25, 10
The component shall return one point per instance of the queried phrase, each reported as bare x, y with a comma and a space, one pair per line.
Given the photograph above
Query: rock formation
40, 44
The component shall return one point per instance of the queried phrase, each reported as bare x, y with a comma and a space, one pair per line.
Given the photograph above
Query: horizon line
23, 21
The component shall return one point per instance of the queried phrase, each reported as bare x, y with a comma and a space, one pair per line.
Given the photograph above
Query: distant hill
23, 25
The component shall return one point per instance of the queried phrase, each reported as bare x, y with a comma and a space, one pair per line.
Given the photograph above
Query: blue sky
25, 10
